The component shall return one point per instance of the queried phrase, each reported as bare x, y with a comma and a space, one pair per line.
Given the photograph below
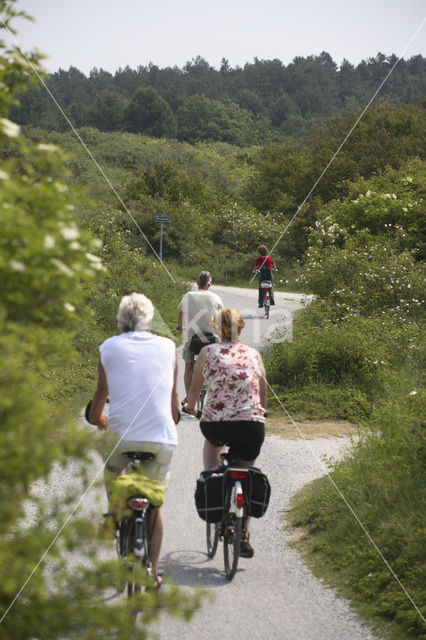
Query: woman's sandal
246, 549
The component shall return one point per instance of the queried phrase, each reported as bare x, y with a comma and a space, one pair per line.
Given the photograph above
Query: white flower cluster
9, 128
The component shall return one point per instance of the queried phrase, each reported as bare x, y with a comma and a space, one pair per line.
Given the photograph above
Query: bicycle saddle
139, 455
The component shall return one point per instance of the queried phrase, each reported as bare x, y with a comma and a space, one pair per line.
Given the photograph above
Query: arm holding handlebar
196, 383
262, 382
179, 325
175, 398
99, 400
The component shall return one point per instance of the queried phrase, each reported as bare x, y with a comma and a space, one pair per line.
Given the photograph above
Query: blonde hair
262, 249
228, 323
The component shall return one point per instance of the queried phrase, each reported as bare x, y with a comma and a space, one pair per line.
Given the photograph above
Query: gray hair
135, 313
204, 279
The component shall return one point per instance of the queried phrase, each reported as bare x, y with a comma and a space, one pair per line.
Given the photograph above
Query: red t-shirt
265, 261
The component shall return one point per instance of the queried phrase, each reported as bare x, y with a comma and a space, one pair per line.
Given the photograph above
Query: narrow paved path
273, 595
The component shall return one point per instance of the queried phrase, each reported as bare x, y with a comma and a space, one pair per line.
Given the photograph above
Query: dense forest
229, 155
265, 101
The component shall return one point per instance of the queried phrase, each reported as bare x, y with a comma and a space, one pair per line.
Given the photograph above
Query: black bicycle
235, 513
134, 532
201, 397
200, 402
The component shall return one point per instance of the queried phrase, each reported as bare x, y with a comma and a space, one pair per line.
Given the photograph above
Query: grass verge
279, 425
382, 479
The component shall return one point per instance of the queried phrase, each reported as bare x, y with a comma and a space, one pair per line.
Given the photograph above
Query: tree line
265, 101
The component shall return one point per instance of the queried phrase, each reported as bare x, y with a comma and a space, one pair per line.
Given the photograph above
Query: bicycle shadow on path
190, 568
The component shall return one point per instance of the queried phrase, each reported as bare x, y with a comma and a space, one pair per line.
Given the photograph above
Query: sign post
161, 220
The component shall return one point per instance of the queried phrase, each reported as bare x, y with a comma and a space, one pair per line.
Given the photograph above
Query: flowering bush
243, 229
378, 213
365, 277
43, 255
44, 259
366, 321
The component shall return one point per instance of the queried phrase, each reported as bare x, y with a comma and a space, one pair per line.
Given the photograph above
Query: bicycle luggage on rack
266, 274
258, 492
210, 495
197, 342
130, 485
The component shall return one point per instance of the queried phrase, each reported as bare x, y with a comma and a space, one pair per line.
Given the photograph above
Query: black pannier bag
197, 343
258, 492
210, 495
266, 274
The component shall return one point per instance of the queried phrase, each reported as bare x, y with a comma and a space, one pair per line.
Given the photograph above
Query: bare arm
263, 387
175, 398
179, 325
197, 382
99, 400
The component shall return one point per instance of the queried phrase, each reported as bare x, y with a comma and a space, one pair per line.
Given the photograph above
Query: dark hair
263, 250
204, 279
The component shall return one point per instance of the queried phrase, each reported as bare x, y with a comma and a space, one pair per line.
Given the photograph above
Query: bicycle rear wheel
266, 307
134, 549
232, 544
122, 546
133, 585
212, 531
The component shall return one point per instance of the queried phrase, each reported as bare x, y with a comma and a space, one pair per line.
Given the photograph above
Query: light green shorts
157, 469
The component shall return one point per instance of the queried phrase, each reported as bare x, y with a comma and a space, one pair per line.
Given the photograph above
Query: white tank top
139, 368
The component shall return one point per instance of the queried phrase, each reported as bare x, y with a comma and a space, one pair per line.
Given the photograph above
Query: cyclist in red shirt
264, 266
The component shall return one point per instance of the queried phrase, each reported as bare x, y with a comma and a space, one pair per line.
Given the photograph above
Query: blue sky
102, 33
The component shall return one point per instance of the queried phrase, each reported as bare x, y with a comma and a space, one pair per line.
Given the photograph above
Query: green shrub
366, 276
366, 322
362, 352
322, 401
46, 260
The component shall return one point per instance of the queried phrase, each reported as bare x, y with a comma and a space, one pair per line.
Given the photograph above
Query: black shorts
244, 437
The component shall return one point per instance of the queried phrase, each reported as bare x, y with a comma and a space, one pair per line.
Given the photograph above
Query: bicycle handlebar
198, 416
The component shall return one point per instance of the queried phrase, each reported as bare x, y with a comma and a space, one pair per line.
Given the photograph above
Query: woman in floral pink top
233, 411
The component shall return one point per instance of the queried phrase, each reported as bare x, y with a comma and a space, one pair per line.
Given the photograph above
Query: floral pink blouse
231, 374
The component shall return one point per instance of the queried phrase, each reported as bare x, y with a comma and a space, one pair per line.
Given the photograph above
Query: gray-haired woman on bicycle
138, 371
234, 409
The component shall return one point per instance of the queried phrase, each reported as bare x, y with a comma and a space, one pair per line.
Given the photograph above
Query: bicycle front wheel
212, 531
200, 400
232, 544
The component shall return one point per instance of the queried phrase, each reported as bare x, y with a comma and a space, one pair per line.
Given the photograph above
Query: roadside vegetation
49, 265
71, 249
358, 353
382, 479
